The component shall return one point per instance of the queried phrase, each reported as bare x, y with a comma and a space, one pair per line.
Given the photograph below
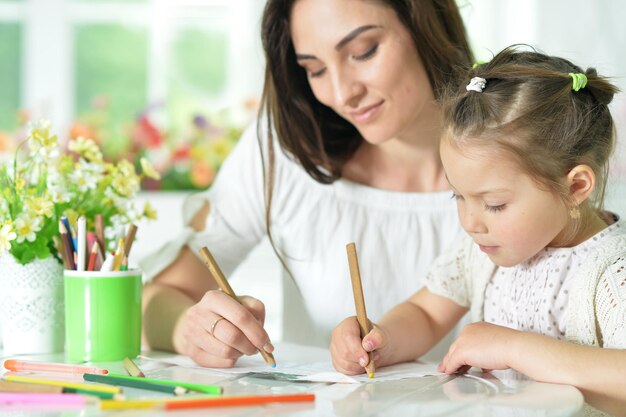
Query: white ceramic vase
32, 316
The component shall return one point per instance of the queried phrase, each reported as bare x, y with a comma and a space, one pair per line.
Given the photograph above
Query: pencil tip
370, 375
273, 365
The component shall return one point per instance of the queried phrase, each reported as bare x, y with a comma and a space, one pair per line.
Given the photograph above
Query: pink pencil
19, 366
47, 399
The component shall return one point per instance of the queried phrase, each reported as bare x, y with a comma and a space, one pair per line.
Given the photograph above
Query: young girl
526, 143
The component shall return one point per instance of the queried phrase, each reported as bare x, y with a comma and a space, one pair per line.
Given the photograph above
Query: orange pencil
357, 289
16, 365
92, 257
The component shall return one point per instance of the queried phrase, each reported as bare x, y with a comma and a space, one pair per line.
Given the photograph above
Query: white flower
41, 142
86, 175
6, 236
27, 227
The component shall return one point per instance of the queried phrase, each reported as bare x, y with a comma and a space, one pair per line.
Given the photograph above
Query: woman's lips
366, 114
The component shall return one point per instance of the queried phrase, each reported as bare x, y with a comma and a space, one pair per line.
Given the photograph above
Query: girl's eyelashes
367, 55
495, 208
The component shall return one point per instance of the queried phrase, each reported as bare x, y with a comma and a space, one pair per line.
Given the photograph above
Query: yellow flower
40, 206
149, 212
125, 181
148, 170
6, 236
86, 148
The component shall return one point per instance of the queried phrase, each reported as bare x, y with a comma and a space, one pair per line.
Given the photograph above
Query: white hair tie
476, 84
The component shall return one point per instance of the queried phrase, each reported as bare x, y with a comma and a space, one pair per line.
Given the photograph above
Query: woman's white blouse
397, 236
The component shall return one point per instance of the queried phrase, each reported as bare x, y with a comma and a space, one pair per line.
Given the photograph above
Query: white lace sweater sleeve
235, 223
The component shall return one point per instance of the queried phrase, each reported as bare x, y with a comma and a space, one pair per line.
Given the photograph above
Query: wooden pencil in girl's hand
359, 302
222, 282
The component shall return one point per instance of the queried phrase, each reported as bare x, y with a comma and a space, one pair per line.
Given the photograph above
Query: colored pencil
19, 366
222, 282
237, 401
190, 403
7, 386
357, 289
119, 255
130, 237
207, 389
101, 395
99, 229
81, 247
134, 383
133, 369
41, 399
67, 246
64, 384
92, 257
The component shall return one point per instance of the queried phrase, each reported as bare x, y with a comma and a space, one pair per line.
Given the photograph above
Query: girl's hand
350, 353
483, 345
218, 330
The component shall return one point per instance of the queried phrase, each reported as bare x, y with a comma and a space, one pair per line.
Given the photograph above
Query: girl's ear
581, 180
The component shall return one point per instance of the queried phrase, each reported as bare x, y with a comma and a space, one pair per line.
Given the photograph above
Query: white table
503, 393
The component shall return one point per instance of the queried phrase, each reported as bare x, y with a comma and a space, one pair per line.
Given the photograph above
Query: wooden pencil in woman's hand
359, 302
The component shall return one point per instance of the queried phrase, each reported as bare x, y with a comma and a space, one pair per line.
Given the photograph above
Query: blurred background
177, 80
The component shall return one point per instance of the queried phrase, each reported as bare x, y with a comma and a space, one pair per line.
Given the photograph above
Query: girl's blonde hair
529, 110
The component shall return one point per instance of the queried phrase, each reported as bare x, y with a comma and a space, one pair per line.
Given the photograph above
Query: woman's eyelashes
367, 54
361, 57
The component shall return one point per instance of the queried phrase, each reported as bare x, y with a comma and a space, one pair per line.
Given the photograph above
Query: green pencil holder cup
102, 315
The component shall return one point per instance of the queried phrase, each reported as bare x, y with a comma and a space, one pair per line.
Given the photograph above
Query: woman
350, 97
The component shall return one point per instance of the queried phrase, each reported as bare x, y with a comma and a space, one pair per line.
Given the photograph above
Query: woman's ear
581, 180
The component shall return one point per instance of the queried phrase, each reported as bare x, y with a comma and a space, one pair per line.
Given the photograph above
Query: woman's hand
483, 345
350, 354
218, 330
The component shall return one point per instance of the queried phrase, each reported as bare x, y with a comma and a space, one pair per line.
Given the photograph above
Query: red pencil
92, 257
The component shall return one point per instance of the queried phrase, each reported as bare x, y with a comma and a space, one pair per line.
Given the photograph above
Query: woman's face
361, 62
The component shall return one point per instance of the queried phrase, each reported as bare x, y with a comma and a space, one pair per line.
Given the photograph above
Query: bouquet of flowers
43, 182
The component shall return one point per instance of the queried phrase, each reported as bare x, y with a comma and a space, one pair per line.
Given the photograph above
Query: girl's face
504, 210
362, 63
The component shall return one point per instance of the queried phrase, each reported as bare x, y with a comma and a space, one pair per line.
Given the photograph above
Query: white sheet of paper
303, 363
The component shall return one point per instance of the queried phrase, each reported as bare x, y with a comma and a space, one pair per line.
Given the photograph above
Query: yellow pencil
222, 282
65, 384
119, 255
359, 302
129, 404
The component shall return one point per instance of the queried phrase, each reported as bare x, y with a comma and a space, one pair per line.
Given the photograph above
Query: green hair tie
579, 80
477, 63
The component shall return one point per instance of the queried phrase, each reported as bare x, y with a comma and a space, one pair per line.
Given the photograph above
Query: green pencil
207, 389
102, 395
140, 383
